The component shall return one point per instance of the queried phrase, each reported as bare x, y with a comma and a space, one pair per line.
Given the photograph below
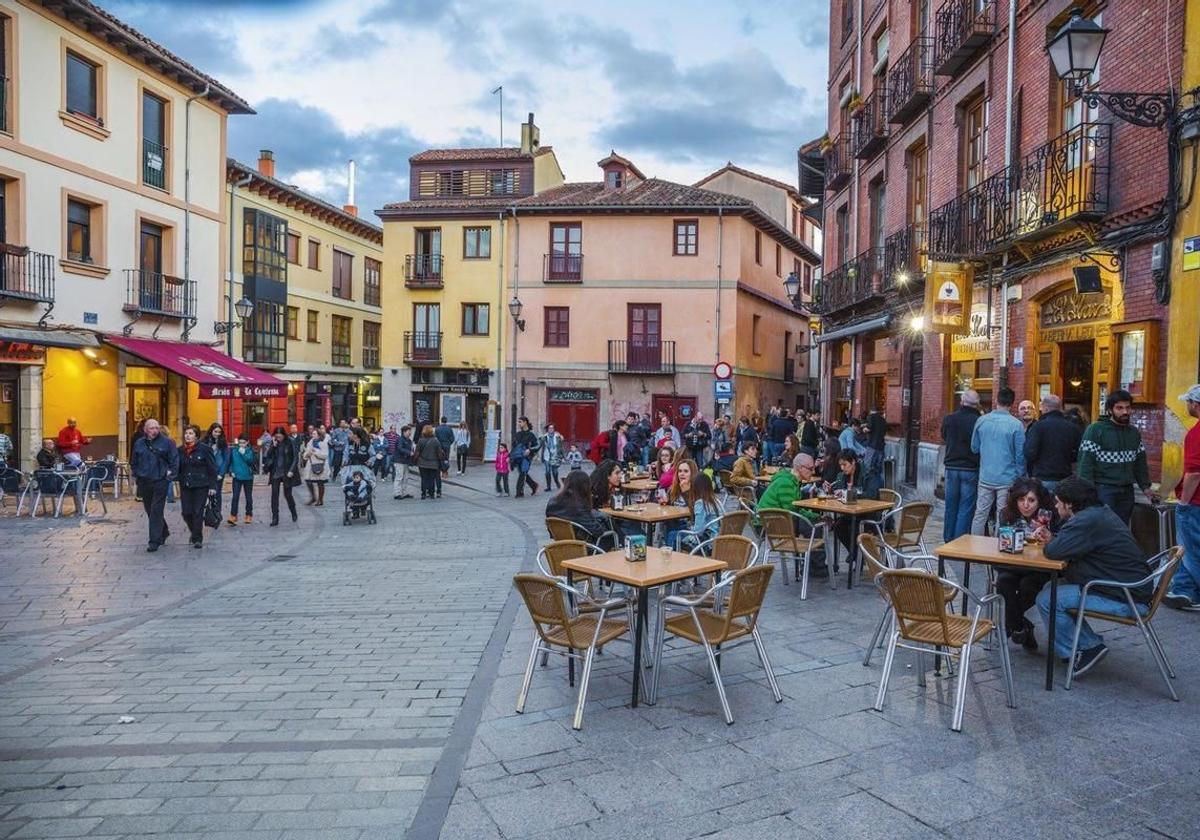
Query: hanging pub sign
948, 298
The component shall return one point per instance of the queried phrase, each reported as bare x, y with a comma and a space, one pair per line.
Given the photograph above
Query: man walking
697, 434
1052, 444
876, 440
339, 439
810, 437
962, 466
778, 428
404, 459
155, 463
1185, 585
1112, 457
999, 440
445, 436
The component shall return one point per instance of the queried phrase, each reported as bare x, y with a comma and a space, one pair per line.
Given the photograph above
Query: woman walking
429, 462
552, 455
219, 444
462, 442
280, 463
197, 481
241, 465
314, 469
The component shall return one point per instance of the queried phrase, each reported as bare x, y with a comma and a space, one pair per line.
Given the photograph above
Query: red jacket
598, 450
71, 440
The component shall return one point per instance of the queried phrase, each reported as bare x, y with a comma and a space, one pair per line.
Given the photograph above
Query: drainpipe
1009, 85
516, 284
501, 308
233, 186
858, 34
187, 190
720, 254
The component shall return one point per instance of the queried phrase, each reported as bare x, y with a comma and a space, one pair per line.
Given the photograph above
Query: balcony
961, 28
154, 164
904, 259
837, 289
562, 268
974, 224
151, 293
423, 348
1063, 182
641, 357
423, 271
910, 81
868, 267
871, 126
26, 275
838, 164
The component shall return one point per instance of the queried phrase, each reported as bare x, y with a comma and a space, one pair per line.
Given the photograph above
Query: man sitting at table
1096, 545
743, 472
852, 476
46, 457
788, 486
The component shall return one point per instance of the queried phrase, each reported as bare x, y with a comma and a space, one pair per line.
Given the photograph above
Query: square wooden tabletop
652, 513
979, 549
653, 571
862, 507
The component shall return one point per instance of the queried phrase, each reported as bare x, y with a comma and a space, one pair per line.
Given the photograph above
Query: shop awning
218, 375
855, 329
49, 337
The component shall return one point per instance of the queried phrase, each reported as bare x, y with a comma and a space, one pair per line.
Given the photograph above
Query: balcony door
427, 328
151, 290
154, 141
428, 265
644, 345
566, 250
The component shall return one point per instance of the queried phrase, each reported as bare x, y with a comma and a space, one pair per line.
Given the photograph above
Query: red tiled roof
92, 18
613, 157
451, 202
308, 203
501, 153
731, 167
650, 193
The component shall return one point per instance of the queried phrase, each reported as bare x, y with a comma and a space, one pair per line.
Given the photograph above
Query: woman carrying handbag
284, 472
314, 468
197, 481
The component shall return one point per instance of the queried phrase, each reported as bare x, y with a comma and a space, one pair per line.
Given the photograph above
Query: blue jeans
1064, 624
771, 451
961, 487
1118, 499
646, 450
1187, 528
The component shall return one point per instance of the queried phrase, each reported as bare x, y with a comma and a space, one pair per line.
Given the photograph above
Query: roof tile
501, 153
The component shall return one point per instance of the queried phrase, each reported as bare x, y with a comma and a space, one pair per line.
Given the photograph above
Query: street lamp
791, 287
514, 309
244, 308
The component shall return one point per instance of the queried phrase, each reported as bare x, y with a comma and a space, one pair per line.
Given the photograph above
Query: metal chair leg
887, 671
804, 576
1158, 660
921, 667
1079, 619
766, 663
583, 683
877, 639
1006, 667
524, 693
661, 636
783, 571
1161, 651
960, 696
716, 672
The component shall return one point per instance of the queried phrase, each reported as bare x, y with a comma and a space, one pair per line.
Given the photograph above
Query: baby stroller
359, 495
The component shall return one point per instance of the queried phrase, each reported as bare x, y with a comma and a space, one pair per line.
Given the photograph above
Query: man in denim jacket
999, 439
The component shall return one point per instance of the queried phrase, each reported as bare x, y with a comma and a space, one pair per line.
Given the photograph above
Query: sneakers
232, 520
1085, 659
248, 519
1024, 636
1181, 602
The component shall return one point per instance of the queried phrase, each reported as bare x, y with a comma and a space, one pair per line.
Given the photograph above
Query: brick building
949, 147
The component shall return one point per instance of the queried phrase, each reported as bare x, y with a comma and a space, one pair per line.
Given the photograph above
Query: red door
575, 413
680, 409
645, 337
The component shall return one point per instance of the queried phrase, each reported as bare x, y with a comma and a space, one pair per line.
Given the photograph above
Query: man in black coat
445, 436
1052, 444
154, 463
962, 467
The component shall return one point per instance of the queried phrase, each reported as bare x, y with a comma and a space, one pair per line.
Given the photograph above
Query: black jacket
525, 440
586, 519
404, 450
779, 428
429, 453
697, 435
878, 431
1097, 545
956, 433
1052, 447
280, 459
199, 468
809, 436
154, 460
445, 435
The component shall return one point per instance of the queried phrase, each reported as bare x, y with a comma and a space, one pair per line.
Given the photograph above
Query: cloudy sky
678, 86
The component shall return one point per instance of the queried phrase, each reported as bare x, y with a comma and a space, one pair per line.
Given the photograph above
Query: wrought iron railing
154, 164
910, 81
423, 271
152, 293
961, 27
26, 275
837, 289
641, 356
904, 258
562, 268
423, 347
838, 163
871, 126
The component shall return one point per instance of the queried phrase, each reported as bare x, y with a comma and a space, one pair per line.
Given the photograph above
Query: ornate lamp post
244, 308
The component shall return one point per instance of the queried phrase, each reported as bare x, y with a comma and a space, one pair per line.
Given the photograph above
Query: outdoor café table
650, 514
971, 548
853, 510
639, 485
643, 575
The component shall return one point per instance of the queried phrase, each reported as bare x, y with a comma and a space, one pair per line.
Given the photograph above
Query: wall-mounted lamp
244, 308
917, 323
514, 309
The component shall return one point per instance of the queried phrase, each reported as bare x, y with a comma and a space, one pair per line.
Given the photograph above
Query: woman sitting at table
791, 448
605, 483
667, 479
574, 504
682, 494
663, 464
706, 510
1031, 508
852, 476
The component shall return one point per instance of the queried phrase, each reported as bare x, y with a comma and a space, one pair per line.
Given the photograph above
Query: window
340, 329
566, 251
877, 201
7, 69
808, 276
264, 340
755, 346
758, 247
847, 19
293, 248
558, 326
343, 268
293, 322
612, 179
370, 350
314, 255
918, 163
973, 142
79, 231
151, 250
475, 318
372, 269
778, 260
1071, 110
795, 221
154, 141
687, 236
477, 243
843, 233
83, 87
312, 326
264, 247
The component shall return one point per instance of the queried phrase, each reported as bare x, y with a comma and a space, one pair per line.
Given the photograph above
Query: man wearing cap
1112, 456
1185, 585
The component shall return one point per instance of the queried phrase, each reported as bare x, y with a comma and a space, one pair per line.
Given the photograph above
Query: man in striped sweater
1112, 456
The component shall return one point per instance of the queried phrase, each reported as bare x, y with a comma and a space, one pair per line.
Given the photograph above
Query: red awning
218, 375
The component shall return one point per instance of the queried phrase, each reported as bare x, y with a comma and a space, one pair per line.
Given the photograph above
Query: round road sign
722, 370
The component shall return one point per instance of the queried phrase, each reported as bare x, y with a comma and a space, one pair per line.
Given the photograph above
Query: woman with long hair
574, 503
605, 481
314, 469
216, 440
791, 448
281, 467
197, 481
663, 467
429, 461
1028, 506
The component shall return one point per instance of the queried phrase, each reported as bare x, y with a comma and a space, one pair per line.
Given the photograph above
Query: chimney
266, 163
349, 206
530, 136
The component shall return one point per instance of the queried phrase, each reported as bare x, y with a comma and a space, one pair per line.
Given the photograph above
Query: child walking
574, 458
241, 466
502, 469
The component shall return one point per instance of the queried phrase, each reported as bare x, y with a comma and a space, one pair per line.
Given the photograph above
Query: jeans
646, 451
1064, 624
1119, 499
335, 462
429, 481
461, 455
523, 477
191, 506
154, 496
400, 481
502, 483
771, 451
987, 497
240, 486
552, 476
286, 485
1187, 528
961, 487
1050, 484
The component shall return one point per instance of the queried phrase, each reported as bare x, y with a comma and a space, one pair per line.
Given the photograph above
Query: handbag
317, 468
212, 512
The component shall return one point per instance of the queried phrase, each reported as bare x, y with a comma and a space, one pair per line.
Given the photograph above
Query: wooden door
679, 408
644, 346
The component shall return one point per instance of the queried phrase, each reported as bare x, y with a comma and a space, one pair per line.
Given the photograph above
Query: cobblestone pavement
315, 680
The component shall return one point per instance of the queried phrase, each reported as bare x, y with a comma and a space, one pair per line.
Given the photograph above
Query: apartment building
954, 151
109, 247
314, 274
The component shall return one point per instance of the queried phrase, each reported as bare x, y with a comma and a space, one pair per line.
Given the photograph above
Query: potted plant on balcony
855, 104
825, 143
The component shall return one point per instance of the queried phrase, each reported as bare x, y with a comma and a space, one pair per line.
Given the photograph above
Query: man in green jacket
1112, 457
790, 486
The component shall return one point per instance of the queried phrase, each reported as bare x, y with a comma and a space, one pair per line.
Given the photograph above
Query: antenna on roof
500, 90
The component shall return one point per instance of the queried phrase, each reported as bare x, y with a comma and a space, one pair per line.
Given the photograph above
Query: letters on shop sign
1070, 307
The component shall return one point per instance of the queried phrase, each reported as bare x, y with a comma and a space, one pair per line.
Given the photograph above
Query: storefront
19, 364
972, 358
458, 404
575, 413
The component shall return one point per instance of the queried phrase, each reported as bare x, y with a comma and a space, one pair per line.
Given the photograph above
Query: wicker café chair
878, 557
920, 619
735, 551
561, 529
733, 523
558, 629
1163, 566
908, 526
888, 495
779, 536
736, 625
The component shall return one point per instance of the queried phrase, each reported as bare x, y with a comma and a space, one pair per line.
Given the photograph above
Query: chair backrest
777, 524
734, 523
891, 496
560, 529
546, 605
560, 551
916, 597
102, 471
10, 479
1164, 564
913, 517
873, 554
746, 595
48, 481
735, 551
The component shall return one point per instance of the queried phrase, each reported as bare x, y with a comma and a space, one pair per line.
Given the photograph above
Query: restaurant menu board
422, 411
491, 442
452, 408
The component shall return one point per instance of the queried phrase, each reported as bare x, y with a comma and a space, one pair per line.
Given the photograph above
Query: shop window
1045, 360
984, 368
877, 392
1137, 359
